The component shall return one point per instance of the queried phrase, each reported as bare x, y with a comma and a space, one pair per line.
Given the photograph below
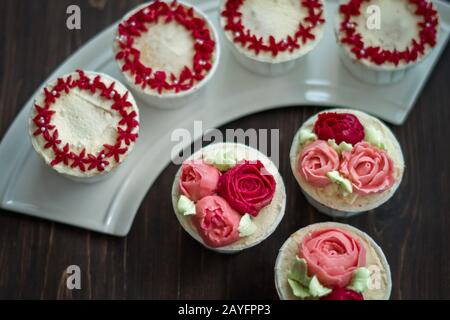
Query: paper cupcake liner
280, 267
173, 100
236, 247
337, 210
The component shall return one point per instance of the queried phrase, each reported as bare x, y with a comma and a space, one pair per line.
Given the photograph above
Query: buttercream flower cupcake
269, 37
167, 51
346, 162
380, 40
84, 124
332, 261
229, 197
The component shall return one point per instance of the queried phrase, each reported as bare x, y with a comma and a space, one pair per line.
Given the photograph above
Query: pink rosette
198, 179
332, 255
216, 222
316, 160
368, 168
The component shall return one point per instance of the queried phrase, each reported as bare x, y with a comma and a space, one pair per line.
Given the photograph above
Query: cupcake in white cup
346, 162
380, 40
167, 51
269, 37
84, 124
332, 261
229, 197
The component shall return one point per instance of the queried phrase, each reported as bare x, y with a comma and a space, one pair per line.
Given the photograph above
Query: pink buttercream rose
332, 255
368, 168
316, 160
198, 179
216, 222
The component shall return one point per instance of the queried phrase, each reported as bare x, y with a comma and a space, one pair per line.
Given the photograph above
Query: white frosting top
397, 29
268, 218
277, 18
85, 121
330, 195
167, 47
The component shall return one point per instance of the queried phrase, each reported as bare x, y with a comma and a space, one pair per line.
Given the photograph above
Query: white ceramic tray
28, 186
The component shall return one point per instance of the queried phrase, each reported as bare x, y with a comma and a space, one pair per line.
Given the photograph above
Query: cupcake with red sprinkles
380, 40
346, 162
229, 197
332, 261
84, 124
167, 51
269, 37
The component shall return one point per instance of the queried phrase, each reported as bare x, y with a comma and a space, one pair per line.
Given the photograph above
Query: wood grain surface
158, 259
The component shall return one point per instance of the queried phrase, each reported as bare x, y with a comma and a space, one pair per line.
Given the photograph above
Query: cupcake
167, 51
228, 197
332, 261
269, 37
84, 125
346, 162
380, 40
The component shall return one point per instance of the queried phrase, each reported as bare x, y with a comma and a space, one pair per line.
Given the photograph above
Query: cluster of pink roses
222, 198
369, 169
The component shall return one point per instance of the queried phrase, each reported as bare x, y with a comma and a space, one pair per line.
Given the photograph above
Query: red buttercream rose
342, 127
343, 294
248, 187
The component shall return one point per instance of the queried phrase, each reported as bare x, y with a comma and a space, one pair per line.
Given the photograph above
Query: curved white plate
28, 186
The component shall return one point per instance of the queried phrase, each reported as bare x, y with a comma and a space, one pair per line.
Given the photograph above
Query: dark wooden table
158, 259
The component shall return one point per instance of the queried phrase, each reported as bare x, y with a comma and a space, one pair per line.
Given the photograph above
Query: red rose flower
248, 187
340, 127
343, 294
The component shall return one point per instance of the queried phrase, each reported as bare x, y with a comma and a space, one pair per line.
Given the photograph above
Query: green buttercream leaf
299, 272
246, 226
222, 159
298, 290
342, 182
307, 135
343, 146
185, 206
316, 289
360, 280
374, 136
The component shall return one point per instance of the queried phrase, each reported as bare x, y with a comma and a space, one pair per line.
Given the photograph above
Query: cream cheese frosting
399, 27
276, 18
85, 121
167, 47
380, 287
268, 218
330, 196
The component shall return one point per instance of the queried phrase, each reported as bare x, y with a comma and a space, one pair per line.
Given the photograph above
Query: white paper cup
339, 209
264, 65
71, 174
172, 100
381, 282
268, 218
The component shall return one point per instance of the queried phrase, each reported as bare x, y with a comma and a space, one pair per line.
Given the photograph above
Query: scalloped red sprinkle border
61, 151
427, 34
159, 80
244, 37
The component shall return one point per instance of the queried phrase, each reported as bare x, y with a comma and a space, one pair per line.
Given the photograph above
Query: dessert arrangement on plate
346, 162
229, 197
332, 261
